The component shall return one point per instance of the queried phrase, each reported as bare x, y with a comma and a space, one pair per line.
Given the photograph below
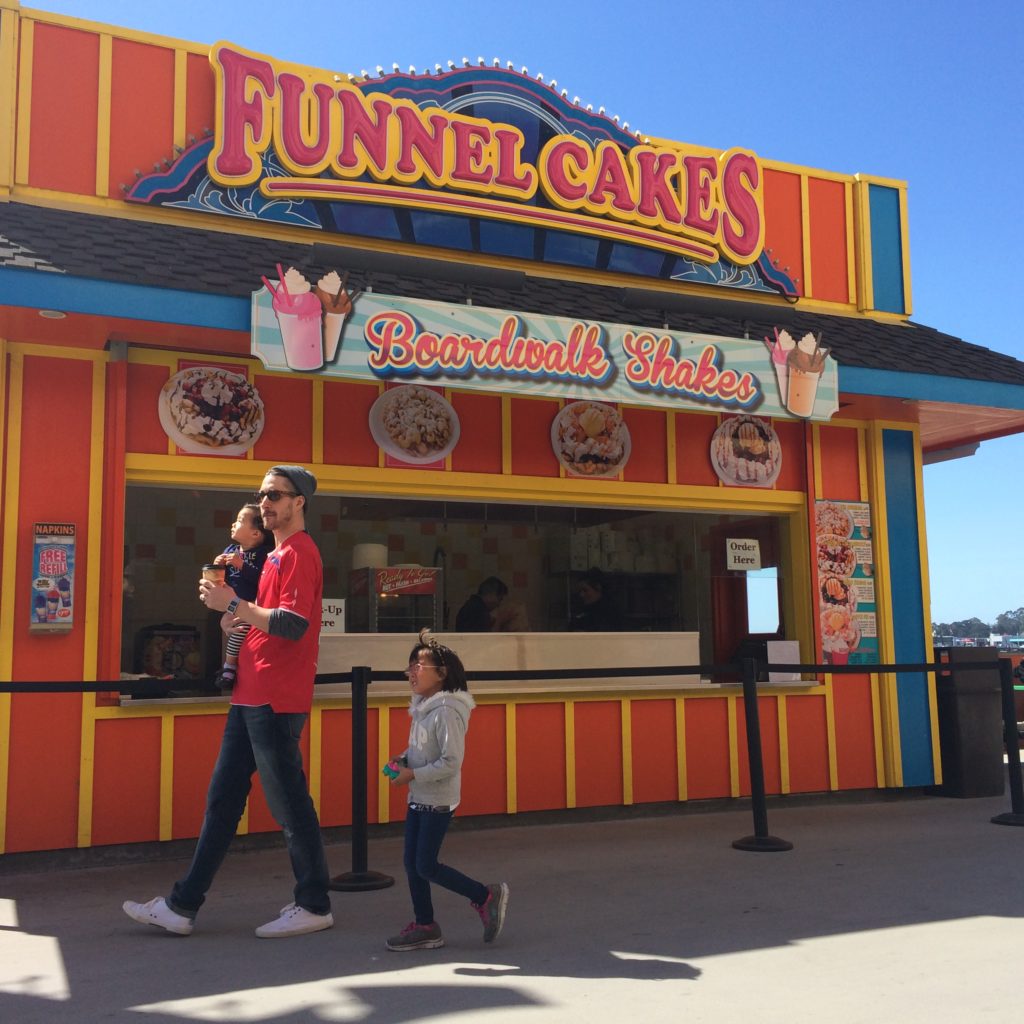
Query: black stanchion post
760, 841
1012, 739
359, 878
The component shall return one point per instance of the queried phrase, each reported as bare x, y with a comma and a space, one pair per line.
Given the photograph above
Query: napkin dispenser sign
53, 578
741, 554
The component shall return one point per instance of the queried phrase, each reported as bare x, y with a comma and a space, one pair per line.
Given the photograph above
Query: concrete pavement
905, 910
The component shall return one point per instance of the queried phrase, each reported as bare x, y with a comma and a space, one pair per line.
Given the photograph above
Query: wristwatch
233, 605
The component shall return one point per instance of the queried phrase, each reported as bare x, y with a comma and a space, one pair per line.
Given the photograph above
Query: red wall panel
43, 761
829, 268
196, 745
483, 773
336, 767
707, 748
141, 133
648, 460
838, 451
347, 440
532, 454
654, 751
144, 433
768, 713
65, 90
783, 240
126, 782
540, 756
792, 476
199, 95
288, 433
808, 745
693, 449
479, 447
855, 732
598, 753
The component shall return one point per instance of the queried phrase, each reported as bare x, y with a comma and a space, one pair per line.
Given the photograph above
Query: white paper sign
332, 619
742, 554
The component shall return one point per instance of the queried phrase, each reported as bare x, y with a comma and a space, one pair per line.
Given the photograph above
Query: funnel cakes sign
485, 146
318, 327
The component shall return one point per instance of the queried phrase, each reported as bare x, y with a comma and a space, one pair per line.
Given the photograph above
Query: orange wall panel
196, 745
65, 87
855, 733
53, 494
648, 460
827, 212
808, 744
126, 782
347, 439
783, 239
693, 449
654, 751
768, 713
483, 772
793, 475
199, 96
707, 748
598, 753
336, 768
144, 433
43, 762
141, 133
479, 447
288, 432
532, 454
840, 474
540, 756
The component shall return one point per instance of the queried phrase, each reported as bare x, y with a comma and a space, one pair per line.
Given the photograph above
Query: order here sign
742, 554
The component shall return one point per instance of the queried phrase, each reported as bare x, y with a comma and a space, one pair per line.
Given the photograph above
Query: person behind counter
477, 614
597, 612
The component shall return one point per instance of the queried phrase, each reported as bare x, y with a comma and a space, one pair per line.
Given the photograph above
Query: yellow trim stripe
180, 96
384, 752
682, 780
570, 753
626, 726
784, 782
670, 449
511, 760
103, 100
317, 416
167, 778
851, 244
8, 86
23, 140
734, 747
830, 728
805, 234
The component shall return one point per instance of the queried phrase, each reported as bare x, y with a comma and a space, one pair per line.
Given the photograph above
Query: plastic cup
214, 573
839, 657
803, 389
64, 587
302, 334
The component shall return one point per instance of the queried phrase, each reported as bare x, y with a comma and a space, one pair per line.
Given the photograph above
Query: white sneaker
295, 921
157, 913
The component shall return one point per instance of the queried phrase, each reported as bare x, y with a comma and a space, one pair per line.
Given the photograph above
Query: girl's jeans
424, 833
257, 739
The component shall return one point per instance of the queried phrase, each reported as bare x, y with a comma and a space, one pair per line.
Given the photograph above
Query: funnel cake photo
835, 556
837, 593
745, 450
833, 519
209, 411
590, 439
414, 424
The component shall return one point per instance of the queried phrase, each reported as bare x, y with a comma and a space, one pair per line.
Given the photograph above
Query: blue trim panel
886, 249
856, 380
907, 606
36, 289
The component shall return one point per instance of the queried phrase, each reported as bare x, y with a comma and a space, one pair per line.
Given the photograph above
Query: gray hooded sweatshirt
437, 743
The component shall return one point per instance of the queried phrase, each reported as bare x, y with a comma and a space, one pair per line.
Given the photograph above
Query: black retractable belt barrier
760, 841
1012, 739
359, 878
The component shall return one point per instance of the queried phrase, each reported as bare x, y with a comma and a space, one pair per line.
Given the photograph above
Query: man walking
270, 703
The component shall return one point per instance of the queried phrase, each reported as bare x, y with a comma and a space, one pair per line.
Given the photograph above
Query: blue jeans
257, 739
424, 834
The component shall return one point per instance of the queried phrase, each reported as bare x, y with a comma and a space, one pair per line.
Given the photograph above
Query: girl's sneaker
492, 910
416, 936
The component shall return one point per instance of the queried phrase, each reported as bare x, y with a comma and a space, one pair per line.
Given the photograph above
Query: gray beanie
301, 479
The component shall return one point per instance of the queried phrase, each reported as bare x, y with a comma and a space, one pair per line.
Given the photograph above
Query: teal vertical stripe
907, 606
886, 249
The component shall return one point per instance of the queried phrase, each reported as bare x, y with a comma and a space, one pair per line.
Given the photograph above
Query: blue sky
926, 92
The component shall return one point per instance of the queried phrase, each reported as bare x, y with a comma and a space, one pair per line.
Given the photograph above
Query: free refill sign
742, 554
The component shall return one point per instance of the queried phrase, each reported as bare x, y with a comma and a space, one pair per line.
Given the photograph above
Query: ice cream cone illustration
298, 316
805, 363
337, 304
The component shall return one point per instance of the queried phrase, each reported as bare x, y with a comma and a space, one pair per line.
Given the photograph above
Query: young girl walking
431, 766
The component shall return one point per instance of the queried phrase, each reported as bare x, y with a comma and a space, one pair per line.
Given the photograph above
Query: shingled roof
93, 246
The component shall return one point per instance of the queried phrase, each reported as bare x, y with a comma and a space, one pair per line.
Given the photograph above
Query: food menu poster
847, 609
53, 577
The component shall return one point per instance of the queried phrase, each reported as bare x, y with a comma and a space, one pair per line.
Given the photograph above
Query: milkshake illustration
780, 349
337, 304
64, 587
298, 316
52, 604
805, 363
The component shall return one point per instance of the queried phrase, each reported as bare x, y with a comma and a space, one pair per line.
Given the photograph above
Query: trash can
970, 724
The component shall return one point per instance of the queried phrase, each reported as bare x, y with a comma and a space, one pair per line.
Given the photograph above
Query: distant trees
1009, 623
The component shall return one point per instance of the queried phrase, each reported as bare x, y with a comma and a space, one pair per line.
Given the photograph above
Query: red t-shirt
272, 669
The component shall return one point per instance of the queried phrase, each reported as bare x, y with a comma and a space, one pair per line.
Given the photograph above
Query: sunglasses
274, 495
